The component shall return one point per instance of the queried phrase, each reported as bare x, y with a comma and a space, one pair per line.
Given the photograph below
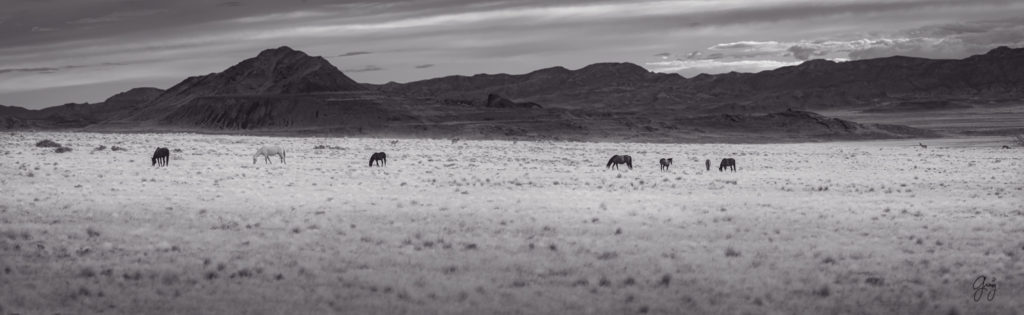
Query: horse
620, 159
665, 163
707, 164
1006, 147
379, 157
727, 163
922, 145
267, 151
162, 156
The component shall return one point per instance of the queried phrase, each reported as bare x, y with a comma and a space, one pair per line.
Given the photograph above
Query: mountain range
283, 90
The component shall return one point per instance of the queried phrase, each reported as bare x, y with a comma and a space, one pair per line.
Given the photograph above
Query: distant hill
74, 115
282, 90
815, 84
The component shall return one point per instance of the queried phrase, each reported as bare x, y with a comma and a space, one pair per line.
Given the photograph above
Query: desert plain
503, 227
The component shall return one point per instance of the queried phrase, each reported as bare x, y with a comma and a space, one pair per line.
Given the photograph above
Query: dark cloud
801, 52
33, 70
715, 56
424, 66
56, 69
369, 68
353, 53
117, 16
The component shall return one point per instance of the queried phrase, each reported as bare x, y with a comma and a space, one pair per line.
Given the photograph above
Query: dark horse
665, 163
727, 163
162, 156
707, 163
379, 157
620, 159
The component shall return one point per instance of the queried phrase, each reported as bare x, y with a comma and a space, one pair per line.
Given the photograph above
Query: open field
995, 120
495, 227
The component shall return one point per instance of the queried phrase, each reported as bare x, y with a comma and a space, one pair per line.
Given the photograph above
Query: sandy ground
493, 227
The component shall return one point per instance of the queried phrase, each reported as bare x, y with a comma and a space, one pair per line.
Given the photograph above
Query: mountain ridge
283, 89
814, 84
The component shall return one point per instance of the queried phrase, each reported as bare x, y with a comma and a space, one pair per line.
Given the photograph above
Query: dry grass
492, 227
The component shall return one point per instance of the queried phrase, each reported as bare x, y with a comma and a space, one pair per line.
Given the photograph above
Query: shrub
117, 148
62, 149
47, 144
100, 148
1019, 140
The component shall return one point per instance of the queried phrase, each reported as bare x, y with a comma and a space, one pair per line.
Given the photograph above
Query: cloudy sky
58, 51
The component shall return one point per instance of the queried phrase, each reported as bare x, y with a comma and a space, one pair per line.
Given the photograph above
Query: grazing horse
707, 164
922, 145
620, 159
379, 157
162, 156
267, 151
665, 163
1006, 147
727, 163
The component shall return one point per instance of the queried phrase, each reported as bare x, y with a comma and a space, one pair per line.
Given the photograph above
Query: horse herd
163, 155
617, 160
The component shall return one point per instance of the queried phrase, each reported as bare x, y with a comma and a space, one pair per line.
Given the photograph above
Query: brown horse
665, 163
620, 159
727, 163
379, 157
161, 157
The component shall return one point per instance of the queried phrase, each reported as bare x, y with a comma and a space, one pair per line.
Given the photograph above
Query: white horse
267, 151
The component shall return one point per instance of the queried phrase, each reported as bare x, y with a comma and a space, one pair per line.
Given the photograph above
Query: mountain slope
280, 71
597, 85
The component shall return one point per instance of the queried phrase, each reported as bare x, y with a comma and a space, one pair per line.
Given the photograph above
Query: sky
59, 51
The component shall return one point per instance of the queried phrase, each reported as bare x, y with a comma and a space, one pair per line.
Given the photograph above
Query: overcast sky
58, 51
